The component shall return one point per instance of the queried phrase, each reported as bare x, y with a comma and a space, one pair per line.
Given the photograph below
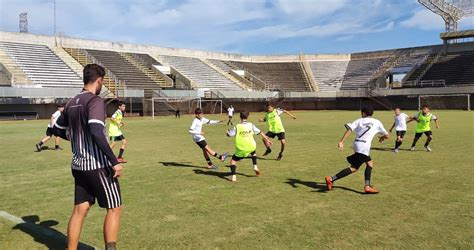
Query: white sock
255, 168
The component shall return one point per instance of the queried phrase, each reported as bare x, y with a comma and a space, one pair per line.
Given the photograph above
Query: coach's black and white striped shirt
84, 118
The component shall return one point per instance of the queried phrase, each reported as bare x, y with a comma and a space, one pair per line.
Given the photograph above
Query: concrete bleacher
286, 76
329, 74
360, 72
201, 74
41, 65
131, 76
453, 68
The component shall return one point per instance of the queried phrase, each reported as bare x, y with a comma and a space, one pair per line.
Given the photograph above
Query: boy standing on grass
423, 119
400, 125
50, 130
245, 144
275, 128
198, 136
365, 128
230, 114
115, 132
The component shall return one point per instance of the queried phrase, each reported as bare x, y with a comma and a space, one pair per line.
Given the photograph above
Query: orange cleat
257, 172
329, 182
370, 190
121, 160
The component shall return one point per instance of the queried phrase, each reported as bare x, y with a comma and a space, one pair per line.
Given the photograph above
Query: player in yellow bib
115, 131
245, 144
423, 119
275, 127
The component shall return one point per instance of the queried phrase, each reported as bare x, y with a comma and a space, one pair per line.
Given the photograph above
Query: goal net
456, 101
169, 106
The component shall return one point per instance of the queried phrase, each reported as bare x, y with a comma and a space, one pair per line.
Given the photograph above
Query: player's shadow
43, 148
43, 233
179, 164
221, 175
388, 149
318, 187
265, 159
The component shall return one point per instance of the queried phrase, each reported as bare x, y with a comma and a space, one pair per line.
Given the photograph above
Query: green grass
426, 199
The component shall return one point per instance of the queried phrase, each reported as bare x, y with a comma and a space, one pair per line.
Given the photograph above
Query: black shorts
281, 136
230, 117
357, 159
117, 138
49, 132
401, 133
202, 144
237, 158
97, 184
427, 133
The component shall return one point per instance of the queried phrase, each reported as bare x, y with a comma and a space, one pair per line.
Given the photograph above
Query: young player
275, 127
115, 132
400, 125
177, 113
423, 119
198, 136
230, 114
50, 130
365, 128
245, 144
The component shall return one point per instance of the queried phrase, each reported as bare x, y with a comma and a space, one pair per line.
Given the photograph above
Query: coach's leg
111, 227
79, 213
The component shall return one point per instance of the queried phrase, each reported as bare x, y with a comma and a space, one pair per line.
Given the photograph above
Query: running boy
423, 119
50, 130
198, 136
365, 128
115, 132
245, 144
400, 125
230, 114
275, 128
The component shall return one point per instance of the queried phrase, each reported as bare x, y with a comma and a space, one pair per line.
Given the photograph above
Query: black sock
254, 160
427, 144
217, 155
233, 169
121, 153
41, 143
368, 173
56, 146
110, 246
345, 172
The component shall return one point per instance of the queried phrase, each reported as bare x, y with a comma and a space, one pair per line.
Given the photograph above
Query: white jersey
401, 122
196, 128
230, 111
55, 117
365, 129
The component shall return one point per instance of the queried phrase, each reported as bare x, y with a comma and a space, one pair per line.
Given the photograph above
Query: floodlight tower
452, 11
24, 22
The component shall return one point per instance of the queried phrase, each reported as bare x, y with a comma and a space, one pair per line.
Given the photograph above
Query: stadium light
452, 11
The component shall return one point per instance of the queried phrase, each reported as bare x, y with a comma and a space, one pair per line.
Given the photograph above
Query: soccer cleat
213, 167
428, 149
280, 156
267, 152
412, 149
58, 149
121, 160
257, 172
396, 150
232, 178
224, 156
38, 147
329, 182
370, 190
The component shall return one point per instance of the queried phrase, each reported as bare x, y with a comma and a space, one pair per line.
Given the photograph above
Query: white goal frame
468, 97
218, 104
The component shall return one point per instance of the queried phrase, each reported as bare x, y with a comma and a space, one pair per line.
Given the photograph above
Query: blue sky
240, 26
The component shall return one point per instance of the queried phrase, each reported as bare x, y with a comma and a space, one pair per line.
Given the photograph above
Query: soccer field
171, 200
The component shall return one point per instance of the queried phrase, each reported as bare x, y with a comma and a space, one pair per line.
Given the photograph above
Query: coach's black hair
120, 103
368, 111
198, 111
244, 114
92, 72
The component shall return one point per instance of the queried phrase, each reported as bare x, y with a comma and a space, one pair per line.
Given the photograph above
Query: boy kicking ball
198, 136
245, 144
400, 125
365, 128
423, 126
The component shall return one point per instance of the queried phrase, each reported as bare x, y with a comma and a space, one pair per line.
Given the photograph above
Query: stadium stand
286, 76
360, 72
201, 74
41, 65
145, 63
452, 68
329, 74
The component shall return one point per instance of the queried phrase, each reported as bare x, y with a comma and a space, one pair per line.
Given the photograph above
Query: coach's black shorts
117, 138
238, 158
427, 133
281, 136
357, 159
49, 132
401, 133
202, 144
96, 184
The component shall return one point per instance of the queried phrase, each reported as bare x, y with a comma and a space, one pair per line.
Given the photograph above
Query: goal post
448, 101
168, 106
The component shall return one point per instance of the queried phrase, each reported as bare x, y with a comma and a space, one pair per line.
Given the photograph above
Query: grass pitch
172, 201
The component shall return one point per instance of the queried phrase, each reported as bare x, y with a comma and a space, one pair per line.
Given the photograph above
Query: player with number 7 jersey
365, 128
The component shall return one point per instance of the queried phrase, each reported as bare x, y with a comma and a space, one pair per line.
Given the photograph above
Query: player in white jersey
366, 129
198, 136
400, 125
230, 114
50, 130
